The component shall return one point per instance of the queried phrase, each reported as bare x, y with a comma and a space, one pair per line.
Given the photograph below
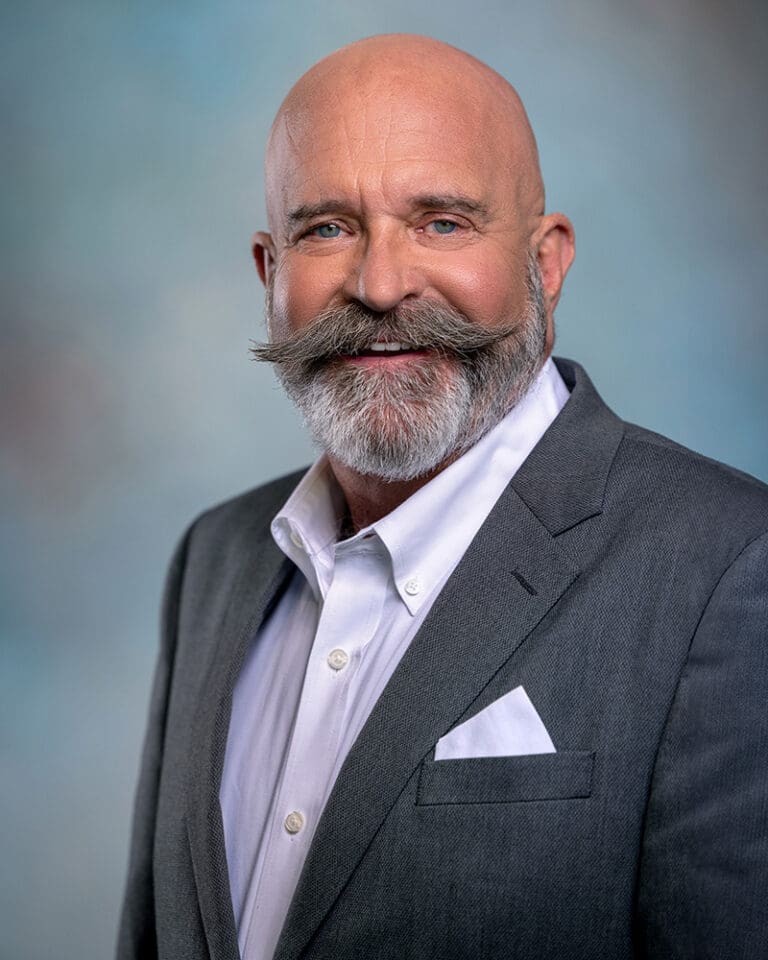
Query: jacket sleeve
137, 937
704, 868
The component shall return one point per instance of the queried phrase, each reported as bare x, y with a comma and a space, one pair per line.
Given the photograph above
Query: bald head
401, 87
400, 169
403, 177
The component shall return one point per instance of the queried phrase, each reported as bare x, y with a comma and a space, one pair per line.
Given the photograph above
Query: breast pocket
545, 776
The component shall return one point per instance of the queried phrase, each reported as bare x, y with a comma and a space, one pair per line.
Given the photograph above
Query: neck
371, 498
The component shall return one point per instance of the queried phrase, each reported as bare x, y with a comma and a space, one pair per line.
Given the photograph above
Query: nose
386, 270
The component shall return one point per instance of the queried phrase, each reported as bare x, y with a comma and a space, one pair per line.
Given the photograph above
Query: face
380, 201
397, 395
383, 206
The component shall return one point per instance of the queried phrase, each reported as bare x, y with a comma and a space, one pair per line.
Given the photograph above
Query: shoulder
680, 479
647, 469
687, 517
674, 505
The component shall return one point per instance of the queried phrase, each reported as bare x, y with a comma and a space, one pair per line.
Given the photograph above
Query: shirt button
338, 659
294, 822
296, 540
412, 587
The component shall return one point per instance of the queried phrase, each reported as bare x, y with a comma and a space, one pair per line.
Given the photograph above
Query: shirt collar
308, 525
427, 534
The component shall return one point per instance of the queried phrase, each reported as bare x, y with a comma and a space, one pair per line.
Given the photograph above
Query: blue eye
444, 226
328, 231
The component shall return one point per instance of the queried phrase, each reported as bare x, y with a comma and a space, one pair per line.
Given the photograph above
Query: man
489, 680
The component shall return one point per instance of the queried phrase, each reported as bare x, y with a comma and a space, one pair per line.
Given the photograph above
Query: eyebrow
308, 211
451, 201
423, 201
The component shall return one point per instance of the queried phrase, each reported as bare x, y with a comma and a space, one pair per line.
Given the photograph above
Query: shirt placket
350, 615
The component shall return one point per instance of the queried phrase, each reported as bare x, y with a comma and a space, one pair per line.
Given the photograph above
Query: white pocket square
509, 727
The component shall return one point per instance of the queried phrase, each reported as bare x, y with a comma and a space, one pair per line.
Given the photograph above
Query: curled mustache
348, 330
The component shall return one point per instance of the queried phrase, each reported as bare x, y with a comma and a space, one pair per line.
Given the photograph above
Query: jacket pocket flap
543, 776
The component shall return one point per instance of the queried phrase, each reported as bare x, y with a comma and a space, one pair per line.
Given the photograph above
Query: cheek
301, 290
487, 292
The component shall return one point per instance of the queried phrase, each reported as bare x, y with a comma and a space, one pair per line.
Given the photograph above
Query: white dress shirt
323, 657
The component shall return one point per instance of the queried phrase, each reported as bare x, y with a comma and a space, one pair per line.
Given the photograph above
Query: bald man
488, 679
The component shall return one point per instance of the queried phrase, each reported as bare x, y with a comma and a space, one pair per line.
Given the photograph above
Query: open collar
425, 536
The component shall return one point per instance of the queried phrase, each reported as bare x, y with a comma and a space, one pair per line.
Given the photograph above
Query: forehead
381, 146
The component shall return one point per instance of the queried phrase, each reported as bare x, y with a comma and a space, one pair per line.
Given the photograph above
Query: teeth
380, 347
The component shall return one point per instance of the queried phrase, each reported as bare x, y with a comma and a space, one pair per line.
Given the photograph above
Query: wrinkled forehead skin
395, 110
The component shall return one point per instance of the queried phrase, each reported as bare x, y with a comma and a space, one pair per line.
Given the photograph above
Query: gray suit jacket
622, 580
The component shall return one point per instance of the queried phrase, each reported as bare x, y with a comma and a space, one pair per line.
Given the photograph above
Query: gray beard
402, 424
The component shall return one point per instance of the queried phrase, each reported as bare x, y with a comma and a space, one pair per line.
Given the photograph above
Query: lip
381, 360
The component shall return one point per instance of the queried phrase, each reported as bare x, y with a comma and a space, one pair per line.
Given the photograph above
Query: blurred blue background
132, 147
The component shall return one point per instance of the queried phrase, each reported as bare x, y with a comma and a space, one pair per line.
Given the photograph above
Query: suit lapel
511, 576
255, 585
563, 480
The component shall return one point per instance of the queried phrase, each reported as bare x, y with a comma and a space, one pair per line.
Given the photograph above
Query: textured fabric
297, 711
623, 582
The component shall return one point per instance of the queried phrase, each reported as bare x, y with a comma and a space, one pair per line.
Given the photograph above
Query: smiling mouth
386, 349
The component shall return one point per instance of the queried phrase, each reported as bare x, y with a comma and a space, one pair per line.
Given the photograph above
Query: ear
263, 248
555, 244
